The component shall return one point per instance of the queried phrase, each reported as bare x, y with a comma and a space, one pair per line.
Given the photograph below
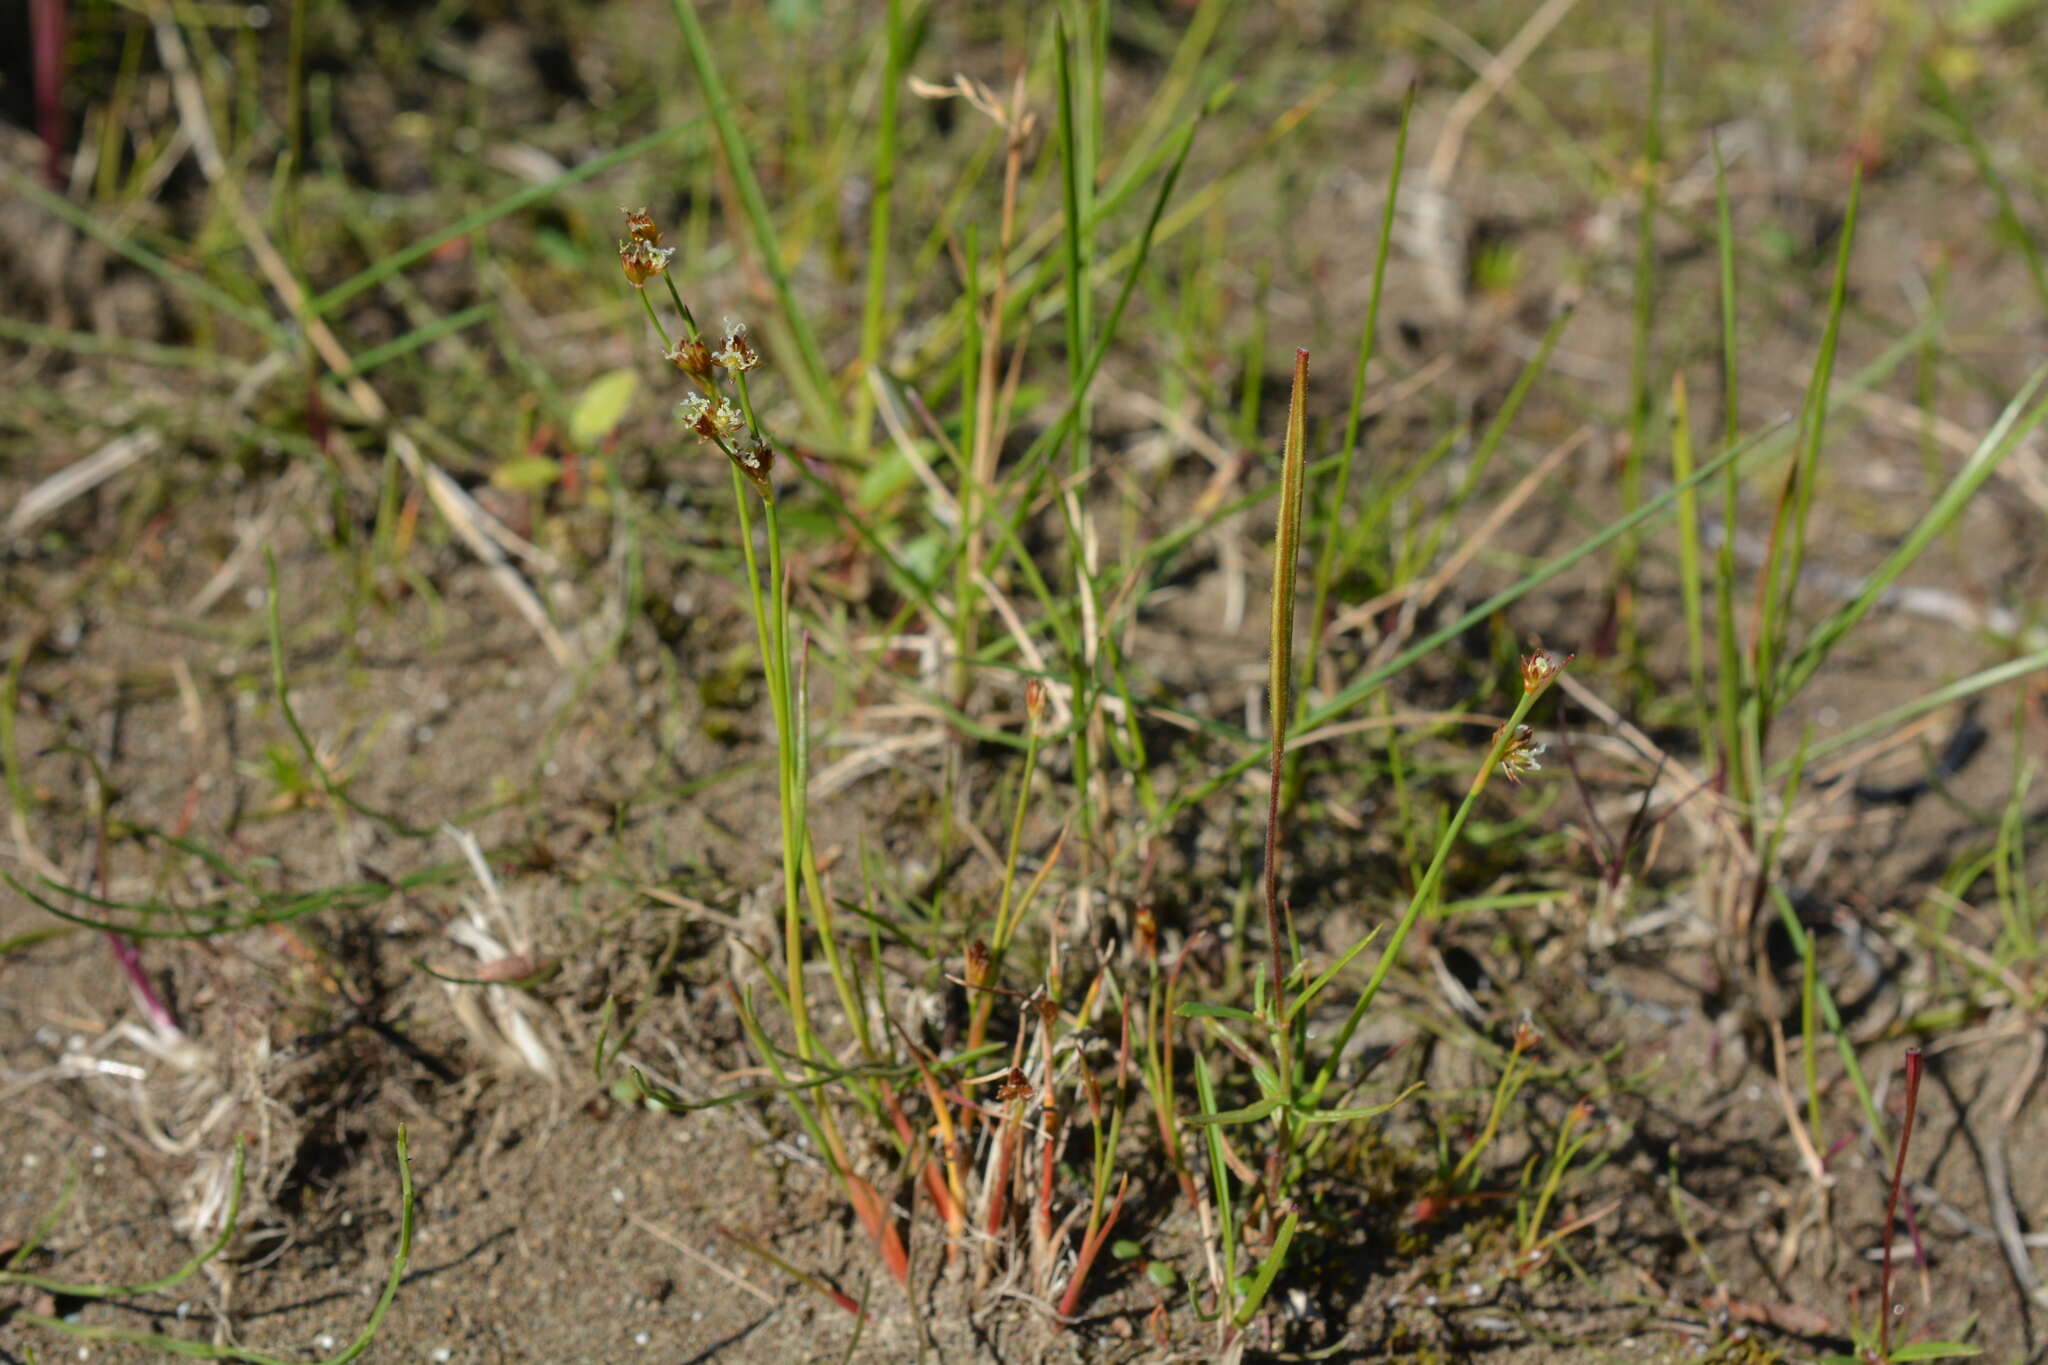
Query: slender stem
791, 797
770, 628
655, 317
1425, 893
1891, 1211
689, 320
1280, 688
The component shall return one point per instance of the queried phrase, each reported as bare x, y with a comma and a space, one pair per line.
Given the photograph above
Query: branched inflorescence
724, 419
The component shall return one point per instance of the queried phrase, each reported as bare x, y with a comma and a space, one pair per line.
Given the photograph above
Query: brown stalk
1280, 680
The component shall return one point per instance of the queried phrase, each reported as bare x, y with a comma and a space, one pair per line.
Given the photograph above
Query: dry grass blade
77, 479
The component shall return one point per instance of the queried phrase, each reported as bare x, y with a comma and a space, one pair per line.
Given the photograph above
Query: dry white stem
474, 526
79, 478
255, 535
500, 1019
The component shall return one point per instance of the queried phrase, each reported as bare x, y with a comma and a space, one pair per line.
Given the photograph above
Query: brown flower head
692, 357
1541, 667
714, 421
1519, 755
642, 261
640, 226
756, 460
1048, 1012
1145, 927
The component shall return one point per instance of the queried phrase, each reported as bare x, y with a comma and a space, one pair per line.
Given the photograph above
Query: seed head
1048, 1012
977, 964
692, 357
1527, 1035
736, 353
642, 260
1034, 700
1519, 756
1016, 1086
1145, 926
640, 226
713, 421
756, 460
1539, 668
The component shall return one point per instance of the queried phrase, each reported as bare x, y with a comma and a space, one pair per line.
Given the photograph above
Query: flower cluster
725, 419
642, 262
714, 421
1518, 753
1540, 668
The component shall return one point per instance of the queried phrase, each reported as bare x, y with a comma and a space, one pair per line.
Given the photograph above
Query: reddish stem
46, 33
160, 1017
1891, 1212
1006, 1160
1090, 1248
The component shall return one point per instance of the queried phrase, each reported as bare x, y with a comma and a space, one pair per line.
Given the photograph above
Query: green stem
1425, 893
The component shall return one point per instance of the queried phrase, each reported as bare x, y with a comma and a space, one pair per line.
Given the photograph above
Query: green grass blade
69, 1290
1641, 396
2008, 216
881, 206
1361, 688
2010, 429
205, 1350
1731, 683
416, 338
1689, 559
1911, 711
1490, 439
1339, 495
811, 379
1781, 573
177, 277
406, 257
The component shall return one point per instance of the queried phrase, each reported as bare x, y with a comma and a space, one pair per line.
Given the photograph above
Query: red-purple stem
46, 34
1891, 1212
160, 1016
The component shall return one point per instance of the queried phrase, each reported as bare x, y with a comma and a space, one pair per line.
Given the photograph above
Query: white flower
727, 418
692, 411
736, 353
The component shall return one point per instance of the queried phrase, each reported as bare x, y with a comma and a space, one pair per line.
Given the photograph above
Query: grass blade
813, 382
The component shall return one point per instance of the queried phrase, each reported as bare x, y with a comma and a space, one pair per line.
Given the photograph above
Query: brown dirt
631, 825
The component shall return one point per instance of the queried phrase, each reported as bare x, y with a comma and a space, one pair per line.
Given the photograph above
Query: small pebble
642, 1338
